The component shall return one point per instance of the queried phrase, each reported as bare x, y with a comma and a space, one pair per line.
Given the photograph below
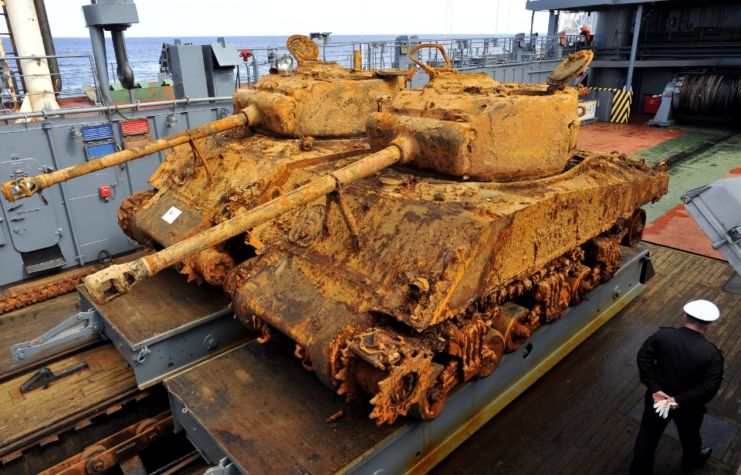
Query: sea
144, 54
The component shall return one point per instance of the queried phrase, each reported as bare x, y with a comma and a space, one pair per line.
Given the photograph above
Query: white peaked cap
702, 310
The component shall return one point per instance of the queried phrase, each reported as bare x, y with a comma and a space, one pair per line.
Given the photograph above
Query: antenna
496, 20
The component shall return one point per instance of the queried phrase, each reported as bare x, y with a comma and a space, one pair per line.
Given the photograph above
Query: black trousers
688, 422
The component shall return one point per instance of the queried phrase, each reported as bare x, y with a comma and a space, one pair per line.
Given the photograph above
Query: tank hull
439, 258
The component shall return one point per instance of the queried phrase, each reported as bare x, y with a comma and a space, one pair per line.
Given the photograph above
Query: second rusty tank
403, 273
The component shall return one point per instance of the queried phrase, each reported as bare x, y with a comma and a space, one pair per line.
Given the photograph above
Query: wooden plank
25, 414
27, 323
593, 462
285, 432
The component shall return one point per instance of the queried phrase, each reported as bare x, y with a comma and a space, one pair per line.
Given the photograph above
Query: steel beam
633, 48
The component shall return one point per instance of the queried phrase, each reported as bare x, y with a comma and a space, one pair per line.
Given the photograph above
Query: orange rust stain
404, 267
732, 173
628, 138
678, 230
35, 293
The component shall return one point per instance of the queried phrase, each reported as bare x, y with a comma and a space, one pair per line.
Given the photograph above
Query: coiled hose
711, 95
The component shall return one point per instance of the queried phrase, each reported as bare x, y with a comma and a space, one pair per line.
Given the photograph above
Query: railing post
255, 69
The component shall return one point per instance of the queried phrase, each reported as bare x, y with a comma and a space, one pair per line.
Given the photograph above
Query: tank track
408, 373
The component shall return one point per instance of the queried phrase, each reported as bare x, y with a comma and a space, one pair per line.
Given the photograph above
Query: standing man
683, 372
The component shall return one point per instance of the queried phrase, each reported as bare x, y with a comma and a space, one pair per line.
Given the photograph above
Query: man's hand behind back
660, 396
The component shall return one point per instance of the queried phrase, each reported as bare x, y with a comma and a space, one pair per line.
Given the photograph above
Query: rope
711, 95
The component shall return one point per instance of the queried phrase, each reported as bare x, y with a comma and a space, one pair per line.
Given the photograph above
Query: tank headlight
285, 62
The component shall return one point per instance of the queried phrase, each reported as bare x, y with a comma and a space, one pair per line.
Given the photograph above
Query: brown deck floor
575, 419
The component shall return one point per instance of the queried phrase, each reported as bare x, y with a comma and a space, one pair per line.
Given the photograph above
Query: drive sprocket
403, 387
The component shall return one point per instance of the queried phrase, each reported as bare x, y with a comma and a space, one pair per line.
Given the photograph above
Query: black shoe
700, 461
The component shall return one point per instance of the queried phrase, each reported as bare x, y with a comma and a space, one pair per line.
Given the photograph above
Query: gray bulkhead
74, 215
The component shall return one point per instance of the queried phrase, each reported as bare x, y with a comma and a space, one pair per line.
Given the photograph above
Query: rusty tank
403, 239
490, 225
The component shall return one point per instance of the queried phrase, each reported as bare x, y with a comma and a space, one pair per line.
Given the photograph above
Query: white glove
663, 407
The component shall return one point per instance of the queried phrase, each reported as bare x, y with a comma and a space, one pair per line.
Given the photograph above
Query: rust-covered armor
403, 239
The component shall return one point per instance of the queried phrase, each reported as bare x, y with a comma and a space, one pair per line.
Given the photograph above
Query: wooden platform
228, 397
575, 419
26, 416
27, 323
164, 305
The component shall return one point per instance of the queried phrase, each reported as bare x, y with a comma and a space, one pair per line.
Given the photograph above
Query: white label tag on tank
172, 214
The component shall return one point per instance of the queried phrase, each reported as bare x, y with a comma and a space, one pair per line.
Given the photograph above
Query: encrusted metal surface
440, 256
35, 293
469, 125
417, 280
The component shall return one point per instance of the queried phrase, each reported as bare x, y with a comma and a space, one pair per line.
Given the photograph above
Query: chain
173, 463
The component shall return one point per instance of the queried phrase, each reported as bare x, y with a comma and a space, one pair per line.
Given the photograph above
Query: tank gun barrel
111, 283
28, 186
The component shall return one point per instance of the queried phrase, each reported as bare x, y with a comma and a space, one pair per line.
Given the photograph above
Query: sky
286, 17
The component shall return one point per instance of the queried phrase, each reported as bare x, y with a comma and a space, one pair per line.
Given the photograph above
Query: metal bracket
44, 377
142, 356
647, 270
82, 324
225, 467
338, 196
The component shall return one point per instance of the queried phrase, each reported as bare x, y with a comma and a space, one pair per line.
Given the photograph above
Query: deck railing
75, 70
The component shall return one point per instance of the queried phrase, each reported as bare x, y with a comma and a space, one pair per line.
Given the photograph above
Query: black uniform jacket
683, 364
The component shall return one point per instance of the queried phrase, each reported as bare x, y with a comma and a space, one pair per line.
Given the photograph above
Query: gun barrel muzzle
28, 186
118, 280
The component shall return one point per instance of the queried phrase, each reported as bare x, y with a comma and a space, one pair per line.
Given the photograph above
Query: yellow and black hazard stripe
621, 103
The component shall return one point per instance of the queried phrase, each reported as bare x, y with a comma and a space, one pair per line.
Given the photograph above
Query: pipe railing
138, 105
465, 53
76, 70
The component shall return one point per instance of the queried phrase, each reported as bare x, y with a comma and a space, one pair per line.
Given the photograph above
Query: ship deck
583, 417
580, 417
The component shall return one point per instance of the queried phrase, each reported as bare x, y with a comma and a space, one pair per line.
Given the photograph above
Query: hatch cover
717, 209
31, 221
303, 48
570, 67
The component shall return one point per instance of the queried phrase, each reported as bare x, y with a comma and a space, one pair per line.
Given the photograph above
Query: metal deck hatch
32, 223
717, 209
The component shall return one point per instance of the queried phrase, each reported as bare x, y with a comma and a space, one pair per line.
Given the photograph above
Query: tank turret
403, 273
469, 125
317, 99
